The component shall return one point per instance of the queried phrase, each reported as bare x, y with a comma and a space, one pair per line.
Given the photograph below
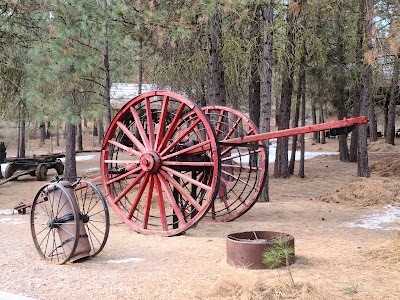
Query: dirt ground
346, 232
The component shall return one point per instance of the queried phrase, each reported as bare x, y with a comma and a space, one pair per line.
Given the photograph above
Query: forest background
280, 61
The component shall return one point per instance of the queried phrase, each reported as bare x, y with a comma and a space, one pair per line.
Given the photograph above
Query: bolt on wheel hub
150, 162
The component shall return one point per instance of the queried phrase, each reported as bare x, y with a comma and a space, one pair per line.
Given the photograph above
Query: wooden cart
36, 165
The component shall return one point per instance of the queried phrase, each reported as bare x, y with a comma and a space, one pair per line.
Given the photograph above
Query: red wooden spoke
172, 128
172, 201
233, 128
181, 190
140, 128
188, 163
150, 123
195, 149
123, 147
123, 176
219, 123
163, 119
187, 178
148, 202
129, 187
179, 138
131, 137
191, 117
138, 196
161, 204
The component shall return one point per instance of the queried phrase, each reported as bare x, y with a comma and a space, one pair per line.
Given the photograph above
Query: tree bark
79, 137
362, 166
70, 160
215, 63
254, 81
340, 82
321, 120
394, 94
314, 120
373, 126
22, 131
101, 131
106, 66
42, 134
303, 123
281, 168
266, 85
295, 121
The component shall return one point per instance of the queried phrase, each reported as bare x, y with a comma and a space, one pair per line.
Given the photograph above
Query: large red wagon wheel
243, 167
160, 169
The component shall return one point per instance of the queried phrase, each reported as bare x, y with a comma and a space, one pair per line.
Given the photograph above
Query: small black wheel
55, 223
10, 170
94, 213
59, 166
22, 211
41, 172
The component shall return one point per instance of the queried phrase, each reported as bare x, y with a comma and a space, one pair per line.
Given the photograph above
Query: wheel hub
150, 162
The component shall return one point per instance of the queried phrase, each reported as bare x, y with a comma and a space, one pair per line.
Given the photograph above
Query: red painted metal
241, 183
298, 130
150, 181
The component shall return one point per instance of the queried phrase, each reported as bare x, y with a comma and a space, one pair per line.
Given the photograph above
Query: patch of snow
8, 212
9, 296
390, 217
126, 260
80, 158
92, 170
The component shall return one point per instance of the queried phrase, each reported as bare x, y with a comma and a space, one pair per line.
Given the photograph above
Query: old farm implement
166, 163
36, 166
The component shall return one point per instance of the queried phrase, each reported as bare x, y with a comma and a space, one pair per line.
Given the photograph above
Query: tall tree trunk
340, 82
266, 84
140, 65
281, 168
217, 76
362, 166
42, 134
100, 130
295, 121
58, 134
70, 160
354, 135
254, 82
322, 120
48, 130
373, 126
394, 94
359, 64
22, 131
106, 66
314, 120
79, 137
303, 121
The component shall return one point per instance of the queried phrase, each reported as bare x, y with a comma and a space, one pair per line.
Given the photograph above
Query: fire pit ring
246, 249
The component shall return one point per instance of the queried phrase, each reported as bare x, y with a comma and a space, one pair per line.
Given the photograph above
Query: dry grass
381, 146
366, 192
248, 290
388, 252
